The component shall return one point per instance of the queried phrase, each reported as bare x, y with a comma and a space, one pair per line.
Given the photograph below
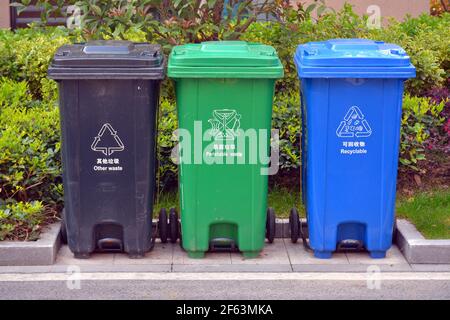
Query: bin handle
110, 244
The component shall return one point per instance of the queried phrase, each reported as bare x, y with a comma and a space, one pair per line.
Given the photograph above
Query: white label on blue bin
107, 142
354, 126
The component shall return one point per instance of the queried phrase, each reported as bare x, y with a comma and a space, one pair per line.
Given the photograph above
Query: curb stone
32, 253
417, 249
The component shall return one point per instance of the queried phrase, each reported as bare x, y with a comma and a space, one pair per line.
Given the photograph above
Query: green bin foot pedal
196, 254
250, 254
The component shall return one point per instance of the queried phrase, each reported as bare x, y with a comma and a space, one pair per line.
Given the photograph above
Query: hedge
30, 165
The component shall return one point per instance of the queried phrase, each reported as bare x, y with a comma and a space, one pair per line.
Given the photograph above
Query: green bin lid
224, 59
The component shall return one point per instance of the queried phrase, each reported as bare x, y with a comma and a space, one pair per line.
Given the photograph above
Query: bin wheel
394, 231
180, 235
63, 232
270, 225
173, 225
294, 223
162, 225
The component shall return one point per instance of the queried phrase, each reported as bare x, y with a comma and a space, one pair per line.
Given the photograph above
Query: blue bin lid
353, 58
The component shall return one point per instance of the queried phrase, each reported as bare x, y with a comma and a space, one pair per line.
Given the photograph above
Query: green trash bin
224, 95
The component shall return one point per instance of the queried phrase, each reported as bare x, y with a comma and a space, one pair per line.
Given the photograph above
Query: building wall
4, 14
389, 8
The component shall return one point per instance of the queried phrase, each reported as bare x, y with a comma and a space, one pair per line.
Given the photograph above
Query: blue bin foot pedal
323, 254
377, 254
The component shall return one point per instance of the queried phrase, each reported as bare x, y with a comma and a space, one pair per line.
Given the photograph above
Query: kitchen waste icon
107, 141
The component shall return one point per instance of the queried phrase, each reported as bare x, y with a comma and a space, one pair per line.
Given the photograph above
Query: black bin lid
108, 59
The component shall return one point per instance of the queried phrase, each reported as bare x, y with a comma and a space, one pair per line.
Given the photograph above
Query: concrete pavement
281, 256
283, 271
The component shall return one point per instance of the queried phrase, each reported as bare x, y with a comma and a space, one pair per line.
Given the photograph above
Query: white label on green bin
225, 124
354, 126
225, 127
107, 142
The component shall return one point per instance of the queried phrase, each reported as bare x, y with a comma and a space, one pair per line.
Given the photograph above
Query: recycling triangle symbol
354, 125
107, 149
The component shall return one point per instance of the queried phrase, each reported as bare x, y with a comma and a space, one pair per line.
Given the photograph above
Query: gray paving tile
180, 257
127, 268
232, 268
298, 255
272, 254
25, 269
94, 268
431, 267
393, 257
65, 257
344, 268
161, 254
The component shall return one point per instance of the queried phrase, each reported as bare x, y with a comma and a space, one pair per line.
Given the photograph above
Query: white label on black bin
354, 128
107, 142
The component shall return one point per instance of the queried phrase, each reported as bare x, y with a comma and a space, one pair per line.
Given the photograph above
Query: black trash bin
109, 94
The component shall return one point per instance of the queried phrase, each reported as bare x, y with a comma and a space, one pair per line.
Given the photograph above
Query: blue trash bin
351, 93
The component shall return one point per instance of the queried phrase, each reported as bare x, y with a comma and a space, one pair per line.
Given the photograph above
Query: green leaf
96, 9
311, 8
